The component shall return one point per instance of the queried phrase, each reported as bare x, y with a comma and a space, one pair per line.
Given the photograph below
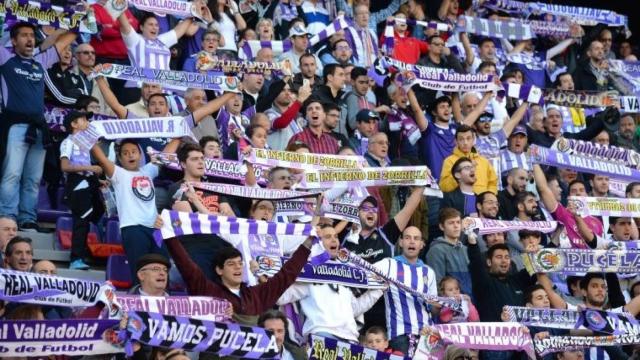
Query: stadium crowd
342, 97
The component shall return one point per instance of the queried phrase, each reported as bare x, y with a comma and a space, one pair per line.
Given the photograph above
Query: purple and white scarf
618, 187
223, 339
497, 336
387, 176
627, 157
491, 226
510, 30
170, 78
580, 261
389, 35
542, 155
597, 206
580, 15
323, 348
54, 116
304, 161
37, 13
208, 62
529, 93
553, 344
253, 192
31, 288
177, 8
165, 127
181, 223
197, 307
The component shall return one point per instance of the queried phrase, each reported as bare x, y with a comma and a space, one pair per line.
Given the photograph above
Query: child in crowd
376, 338
81, 190
450, 287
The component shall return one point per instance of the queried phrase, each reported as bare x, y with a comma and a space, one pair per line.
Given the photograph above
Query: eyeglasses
86, 52
343, 48
156, 269
367, 208
467, 167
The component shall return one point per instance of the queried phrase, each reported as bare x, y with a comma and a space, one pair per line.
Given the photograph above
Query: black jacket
454, 199
596, 124
63, 86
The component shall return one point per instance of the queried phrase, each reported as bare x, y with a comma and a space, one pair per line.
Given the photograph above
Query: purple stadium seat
45, 212
64, 231
112, 234
118, 272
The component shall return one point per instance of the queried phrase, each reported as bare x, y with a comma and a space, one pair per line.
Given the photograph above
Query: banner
590, 149
304, 161
32, 288
510, 30
629, 105
228, 169
54, 116
580, 15
180, 223
491, 226
164, 127
208, 62
197, 307
548, 318
331, 272
387, 176
496, 336
567, 343
177, 8
618, 187
580, 99
345, 255
546, 156
293, 208
322, 348
169, 78
253, 193
579, 261
224, 339
73, 337
40, 13
597, 206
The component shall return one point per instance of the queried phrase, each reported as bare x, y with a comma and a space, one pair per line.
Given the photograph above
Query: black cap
366, 115
371, 200
265, 102
152, 259
72, 115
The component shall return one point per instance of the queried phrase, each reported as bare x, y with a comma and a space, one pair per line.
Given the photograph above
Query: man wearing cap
366, 127
300, 39
152, 271
514, 155
81, 188
282, 110
314, 135
23, 129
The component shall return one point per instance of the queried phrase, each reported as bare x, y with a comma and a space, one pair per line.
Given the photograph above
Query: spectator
211, 40
462, 198
282, 112
487, 205
82, 188
486, 180
341, 53
626, 136
251, 87
378, 150
140, 107
210, 147
152, 272
438, 136
367, 124
315, 15
300, 40
331, 123
514, 156
228, 21
406, 48
18, 254
196, 99
63, 85
308, 70
439, 56
591, 74
23, 128
376, 338
314, 135
388, 8
516, 183
85, 63
599, 186
357, 99
362, 40
450, 287
45, 267
331, 91
276, 322
8, 230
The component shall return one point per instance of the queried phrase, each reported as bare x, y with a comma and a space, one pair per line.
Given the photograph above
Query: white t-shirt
77, 157
227, 27
135, 195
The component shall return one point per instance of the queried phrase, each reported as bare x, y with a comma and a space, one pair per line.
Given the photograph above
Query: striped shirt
489, 146
573, 120
407, 314
151, 54
510, 160
323, 144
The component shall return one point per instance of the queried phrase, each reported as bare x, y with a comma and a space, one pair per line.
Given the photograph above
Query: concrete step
45, 241
96, 275
51, 255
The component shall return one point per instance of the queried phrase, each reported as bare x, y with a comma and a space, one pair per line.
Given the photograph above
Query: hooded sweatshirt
448, 259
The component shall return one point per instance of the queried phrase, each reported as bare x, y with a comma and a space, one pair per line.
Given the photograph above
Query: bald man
410, 270
45, 267
85, 56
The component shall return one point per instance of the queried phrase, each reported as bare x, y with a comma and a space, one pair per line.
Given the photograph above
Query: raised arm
557, 302
546, 195
510, 124
403, 216
125, 26
103, 161
471, 117
212, 106
182, 27
110, 98
444, 10
468, 51
559, 48
420, 119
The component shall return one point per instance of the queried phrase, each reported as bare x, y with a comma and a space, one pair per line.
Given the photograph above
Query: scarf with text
598, 206
627, 157
197, 307
304, 161
579, 261
491, 226
388, 176
553, 344
580, 99
46, 14
208, 62
323, 348
253, 193
511, 30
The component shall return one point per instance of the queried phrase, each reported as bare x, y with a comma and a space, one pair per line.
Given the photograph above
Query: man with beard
282, 111
573, 119
314, 135
626, 136
581, 232
599, 186
334, 79
406, 313
341, 53
487, 205
514, 156
592, 73
462, 198
516, 183
308, 69
374, 243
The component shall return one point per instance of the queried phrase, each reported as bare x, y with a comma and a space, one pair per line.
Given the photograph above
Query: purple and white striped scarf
510, 30
38, 13
177, 8
54, 116
590, 149
304, 161
253, 192
389, 37
546, 156
580, 15
181, 223
208, 62
169, 78
497, 336
320, 347
580, 261
597, 206
491, 226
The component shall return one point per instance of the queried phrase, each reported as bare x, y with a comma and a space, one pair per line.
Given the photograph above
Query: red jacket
253, 300
407, 49
108, 42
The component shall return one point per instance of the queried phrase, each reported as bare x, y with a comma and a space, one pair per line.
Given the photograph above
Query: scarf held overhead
38, 13
197, 307
597, 206
578, 261
491, 226
322, 348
